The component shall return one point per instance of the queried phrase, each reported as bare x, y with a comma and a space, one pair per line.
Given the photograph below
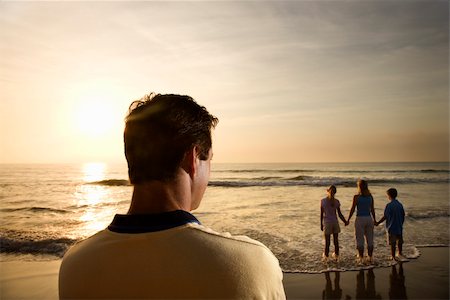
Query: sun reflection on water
95, 221
95, 203
94, 172
91, 195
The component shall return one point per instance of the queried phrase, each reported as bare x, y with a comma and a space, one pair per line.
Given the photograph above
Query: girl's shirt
363, 205
329, 210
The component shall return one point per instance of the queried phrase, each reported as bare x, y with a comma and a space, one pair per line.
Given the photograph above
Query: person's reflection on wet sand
397, 288
329, 292
363, 291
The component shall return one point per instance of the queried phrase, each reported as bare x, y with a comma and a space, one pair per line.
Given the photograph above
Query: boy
394, 214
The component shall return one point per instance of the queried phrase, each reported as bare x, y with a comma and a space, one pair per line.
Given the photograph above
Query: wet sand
424, 278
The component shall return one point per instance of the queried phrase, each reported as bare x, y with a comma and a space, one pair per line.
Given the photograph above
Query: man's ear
189, 163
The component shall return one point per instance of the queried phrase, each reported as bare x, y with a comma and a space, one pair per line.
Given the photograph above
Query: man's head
160, 130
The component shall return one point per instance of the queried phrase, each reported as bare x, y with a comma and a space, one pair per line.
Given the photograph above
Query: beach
426, 277
45, 209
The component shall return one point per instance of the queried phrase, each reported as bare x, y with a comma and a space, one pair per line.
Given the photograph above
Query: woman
365, 216
328, 208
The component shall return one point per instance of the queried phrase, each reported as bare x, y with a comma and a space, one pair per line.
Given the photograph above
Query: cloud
275, 70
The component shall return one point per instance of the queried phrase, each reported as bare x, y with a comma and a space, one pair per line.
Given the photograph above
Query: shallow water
46, 208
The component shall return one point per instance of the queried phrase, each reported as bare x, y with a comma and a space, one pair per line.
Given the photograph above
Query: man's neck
157, 197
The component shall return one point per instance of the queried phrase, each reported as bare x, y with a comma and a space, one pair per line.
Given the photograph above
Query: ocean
47, 208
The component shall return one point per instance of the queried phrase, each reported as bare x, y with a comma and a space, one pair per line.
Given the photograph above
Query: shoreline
426, 277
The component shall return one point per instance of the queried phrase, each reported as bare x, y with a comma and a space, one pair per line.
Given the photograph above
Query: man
158, 249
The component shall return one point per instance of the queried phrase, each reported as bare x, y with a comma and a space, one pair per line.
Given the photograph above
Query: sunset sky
290, 81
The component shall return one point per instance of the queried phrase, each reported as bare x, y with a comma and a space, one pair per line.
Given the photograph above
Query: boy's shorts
331, 228
392, 238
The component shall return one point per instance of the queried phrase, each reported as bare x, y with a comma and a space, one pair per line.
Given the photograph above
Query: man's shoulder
251, 253
190, 230
191, 236
224, 236
86, 243
221, 261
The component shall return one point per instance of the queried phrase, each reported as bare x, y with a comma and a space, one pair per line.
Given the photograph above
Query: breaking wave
111, 182
316, 181
36, 209
50, 246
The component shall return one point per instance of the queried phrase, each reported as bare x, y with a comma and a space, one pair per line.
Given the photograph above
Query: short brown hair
392, 193
159, 130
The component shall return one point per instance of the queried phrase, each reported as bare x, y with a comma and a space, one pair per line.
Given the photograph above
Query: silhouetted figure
329, 292
363, 291
397, 288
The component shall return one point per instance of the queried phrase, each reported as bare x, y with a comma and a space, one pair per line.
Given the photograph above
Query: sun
94, 117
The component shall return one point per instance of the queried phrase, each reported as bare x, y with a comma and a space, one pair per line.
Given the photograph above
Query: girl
365, 216
328, 208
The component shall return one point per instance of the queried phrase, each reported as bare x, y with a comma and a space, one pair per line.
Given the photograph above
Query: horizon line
215, 162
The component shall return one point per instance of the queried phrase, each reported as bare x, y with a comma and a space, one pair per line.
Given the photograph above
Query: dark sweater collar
151, 222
